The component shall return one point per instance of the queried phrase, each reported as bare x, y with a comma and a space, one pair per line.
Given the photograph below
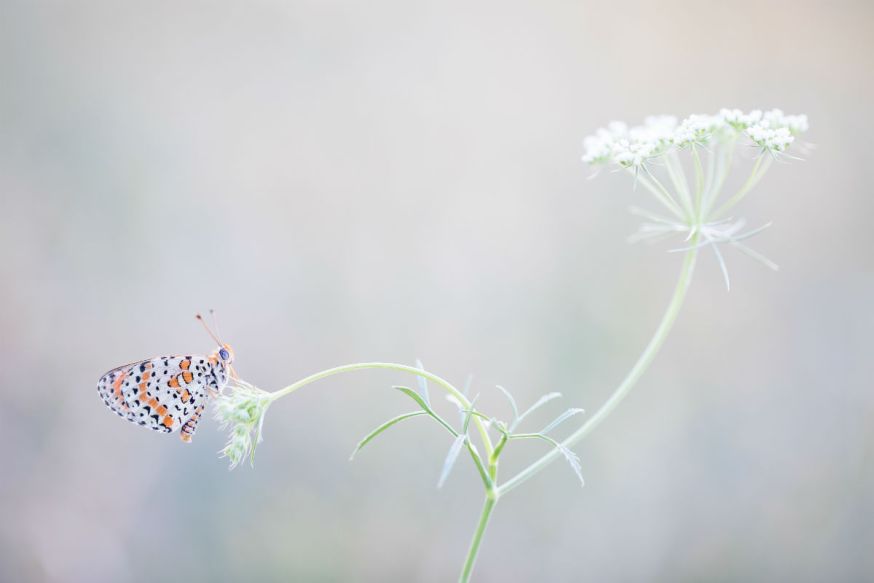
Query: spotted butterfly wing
167, 393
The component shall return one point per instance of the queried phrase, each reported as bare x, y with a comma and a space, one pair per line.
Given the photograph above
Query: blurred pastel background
347, 181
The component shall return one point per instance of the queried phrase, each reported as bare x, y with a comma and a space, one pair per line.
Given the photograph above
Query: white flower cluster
772, 131
242, 410
775, 140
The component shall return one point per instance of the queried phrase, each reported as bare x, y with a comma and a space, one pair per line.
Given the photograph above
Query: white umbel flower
696, 211
698, 129
599, 146
774, 140
655, 128
776, 119
740, 120
633, 147
634, 153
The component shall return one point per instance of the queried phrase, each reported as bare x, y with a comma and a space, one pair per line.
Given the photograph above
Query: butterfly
168, 393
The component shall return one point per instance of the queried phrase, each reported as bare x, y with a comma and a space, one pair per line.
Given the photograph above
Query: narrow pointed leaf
421, 402
540, 402
423, 383
465, 420
454, 450
752, 233
573, 461
416, 397
560, 419
722, 265
467, 383
370, 436
650, 231
512, 402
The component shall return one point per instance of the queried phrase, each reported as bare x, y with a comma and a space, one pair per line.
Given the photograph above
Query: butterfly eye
224, 354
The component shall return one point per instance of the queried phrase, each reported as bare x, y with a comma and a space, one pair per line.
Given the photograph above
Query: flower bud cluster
242, 410
632, 147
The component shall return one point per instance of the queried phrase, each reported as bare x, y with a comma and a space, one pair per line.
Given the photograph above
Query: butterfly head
225, 354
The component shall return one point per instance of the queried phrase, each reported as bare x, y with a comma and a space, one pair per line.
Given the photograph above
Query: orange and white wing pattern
167, 393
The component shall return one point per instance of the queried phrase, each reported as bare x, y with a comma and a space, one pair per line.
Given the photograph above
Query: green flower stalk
684, 167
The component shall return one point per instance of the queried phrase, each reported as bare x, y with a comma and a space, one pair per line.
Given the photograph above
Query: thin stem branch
759, 169
660, 192
711, 175
699, 182
678, 178
723, 164
631, 378
446, 385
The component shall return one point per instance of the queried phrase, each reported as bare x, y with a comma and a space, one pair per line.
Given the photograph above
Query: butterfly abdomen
187, 431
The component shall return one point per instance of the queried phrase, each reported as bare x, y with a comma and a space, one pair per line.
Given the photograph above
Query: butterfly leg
187, 431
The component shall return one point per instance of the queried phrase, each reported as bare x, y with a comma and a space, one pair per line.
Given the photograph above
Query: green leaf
416, 397
540, 402
421, 402
560, 419
454, 450
372, 435
423, 383
512, 403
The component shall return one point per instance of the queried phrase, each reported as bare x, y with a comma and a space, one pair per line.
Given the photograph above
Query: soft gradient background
350, 181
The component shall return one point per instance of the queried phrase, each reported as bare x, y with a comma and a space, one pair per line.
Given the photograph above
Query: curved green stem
631, 378
473, 551
446, 385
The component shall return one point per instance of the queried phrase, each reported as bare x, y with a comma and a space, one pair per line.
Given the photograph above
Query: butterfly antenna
215, 325
208, 331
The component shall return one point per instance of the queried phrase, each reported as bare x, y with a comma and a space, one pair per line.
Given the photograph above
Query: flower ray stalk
678, 178
759, 170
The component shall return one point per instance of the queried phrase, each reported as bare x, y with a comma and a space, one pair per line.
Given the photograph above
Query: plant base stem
473, 551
